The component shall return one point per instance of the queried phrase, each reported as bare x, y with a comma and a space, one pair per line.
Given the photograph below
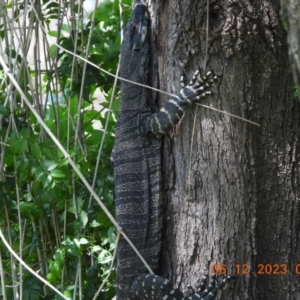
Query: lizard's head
138, 27
135, 46
135, 32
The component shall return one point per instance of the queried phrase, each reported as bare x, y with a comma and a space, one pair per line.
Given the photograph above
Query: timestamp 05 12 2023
260, 269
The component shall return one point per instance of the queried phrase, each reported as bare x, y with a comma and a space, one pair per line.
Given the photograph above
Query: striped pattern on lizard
137, 167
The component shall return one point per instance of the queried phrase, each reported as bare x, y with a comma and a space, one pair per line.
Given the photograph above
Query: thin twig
229, 114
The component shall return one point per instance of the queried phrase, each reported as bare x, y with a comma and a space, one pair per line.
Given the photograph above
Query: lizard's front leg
171, 113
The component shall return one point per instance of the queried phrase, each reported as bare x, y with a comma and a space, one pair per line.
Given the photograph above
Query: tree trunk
231, 188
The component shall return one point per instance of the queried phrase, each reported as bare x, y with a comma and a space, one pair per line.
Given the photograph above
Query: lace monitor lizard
137, 167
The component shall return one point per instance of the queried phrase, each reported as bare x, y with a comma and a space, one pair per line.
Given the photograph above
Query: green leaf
30, 209
74, 248
112, 235
68, 294
52, 33
96, 248
25, 133
59, 257
104, 257
84, 218
35, 150
18, 146
55, 272
95, 224
83, 241
38, 172
57, 173
46, 180
65, 27
28, 197
49, 165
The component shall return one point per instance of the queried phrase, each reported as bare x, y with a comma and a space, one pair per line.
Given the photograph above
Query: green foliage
46, 210
34, 290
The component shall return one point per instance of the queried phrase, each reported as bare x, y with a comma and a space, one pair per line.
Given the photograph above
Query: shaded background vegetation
48, 216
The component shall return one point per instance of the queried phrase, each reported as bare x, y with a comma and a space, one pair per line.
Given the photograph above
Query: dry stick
20, 233
71, 162
76, 281
77, 138
227, 113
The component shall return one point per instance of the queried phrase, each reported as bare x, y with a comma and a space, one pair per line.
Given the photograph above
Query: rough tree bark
238, 203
